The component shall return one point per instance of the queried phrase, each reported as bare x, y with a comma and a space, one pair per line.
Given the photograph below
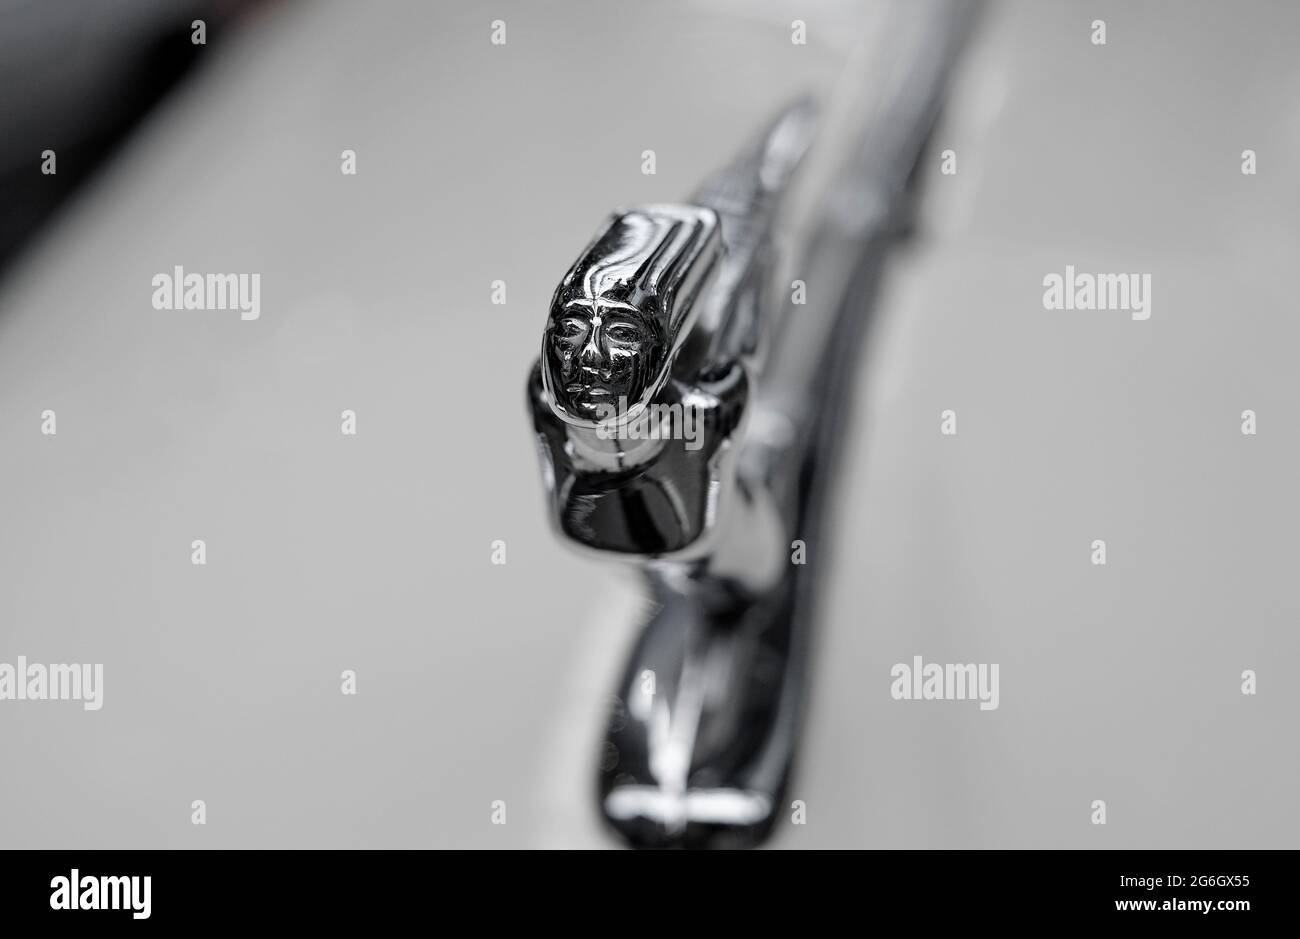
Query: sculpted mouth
591, 391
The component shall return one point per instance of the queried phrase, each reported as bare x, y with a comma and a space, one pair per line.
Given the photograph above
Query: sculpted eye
623, 332
572, 326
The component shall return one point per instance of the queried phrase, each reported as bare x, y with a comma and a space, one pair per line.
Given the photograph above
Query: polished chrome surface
686, 310
621, 313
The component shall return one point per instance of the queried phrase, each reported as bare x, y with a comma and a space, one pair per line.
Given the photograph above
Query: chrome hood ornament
625, 480
687, 416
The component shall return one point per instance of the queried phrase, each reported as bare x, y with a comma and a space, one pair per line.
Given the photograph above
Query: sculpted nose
592, 355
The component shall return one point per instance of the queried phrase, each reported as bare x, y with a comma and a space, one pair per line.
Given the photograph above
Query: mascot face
604, 356
619, 314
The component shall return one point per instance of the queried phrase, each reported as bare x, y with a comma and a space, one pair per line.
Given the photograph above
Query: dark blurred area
76, 76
